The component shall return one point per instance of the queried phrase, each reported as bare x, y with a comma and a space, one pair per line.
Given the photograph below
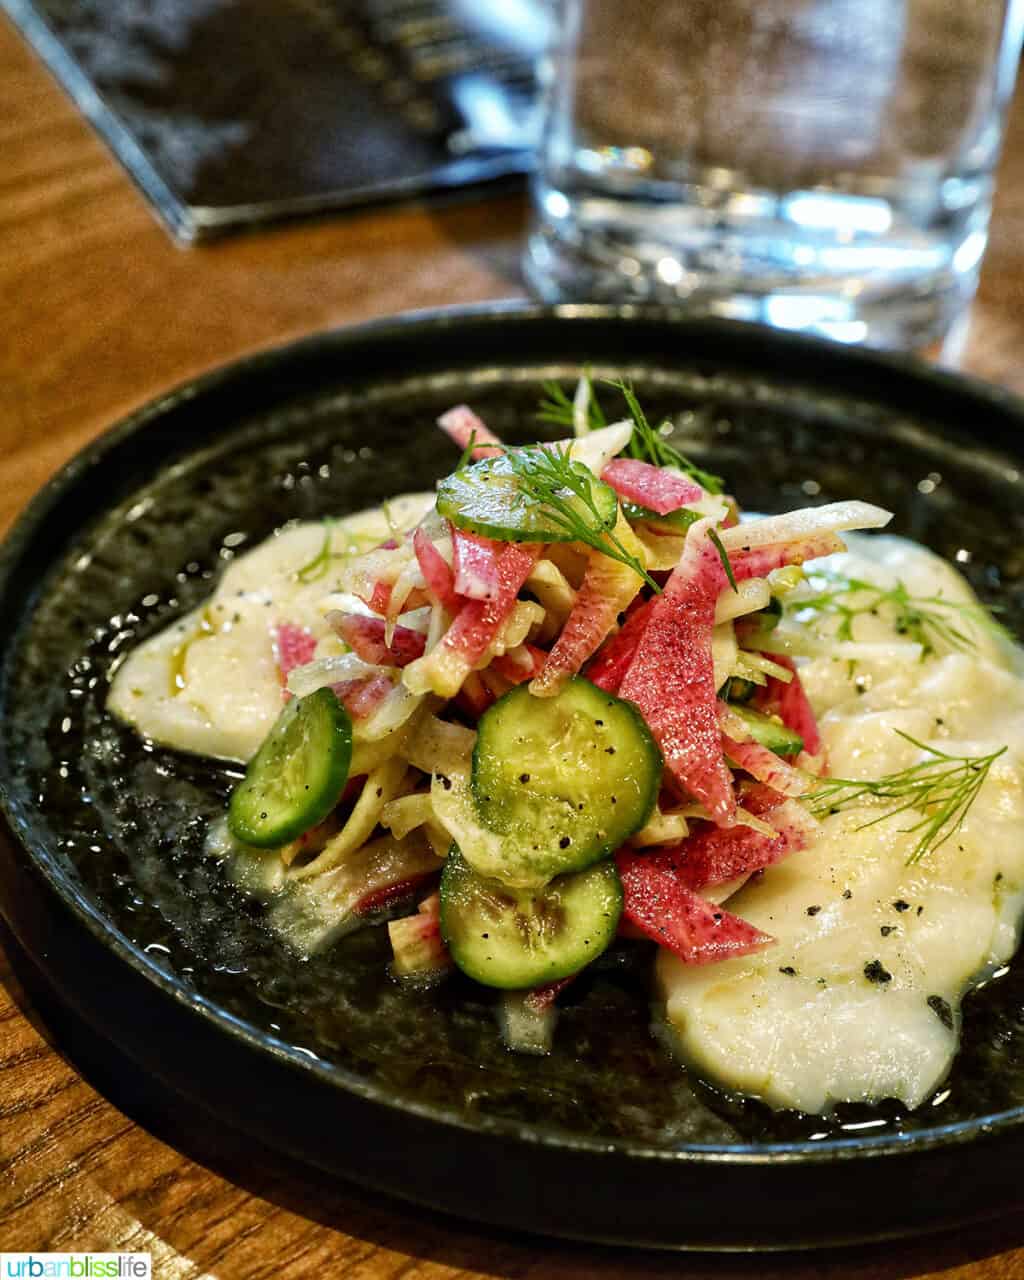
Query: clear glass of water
813, 164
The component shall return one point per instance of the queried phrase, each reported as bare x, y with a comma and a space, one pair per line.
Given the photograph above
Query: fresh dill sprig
649, 444
560, 411
919, 618
941, 789
315, 569
723, 555
550, 478
467, 453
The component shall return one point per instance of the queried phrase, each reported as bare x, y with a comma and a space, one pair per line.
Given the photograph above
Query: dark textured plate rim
376, 333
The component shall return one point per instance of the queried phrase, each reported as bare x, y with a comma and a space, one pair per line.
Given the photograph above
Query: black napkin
234, 112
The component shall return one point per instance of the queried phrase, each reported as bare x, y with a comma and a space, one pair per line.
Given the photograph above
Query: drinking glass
815, 164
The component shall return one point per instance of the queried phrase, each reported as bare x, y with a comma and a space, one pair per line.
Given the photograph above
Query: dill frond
560, 411
467, 454
548, 477
920, 618
723, 555
649, 444
941, 789
315, 569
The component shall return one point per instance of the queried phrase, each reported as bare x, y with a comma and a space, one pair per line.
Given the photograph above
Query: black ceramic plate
104, 883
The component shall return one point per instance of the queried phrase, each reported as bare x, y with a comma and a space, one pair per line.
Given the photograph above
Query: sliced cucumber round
295, 779
515, 938
488, 498
564, 780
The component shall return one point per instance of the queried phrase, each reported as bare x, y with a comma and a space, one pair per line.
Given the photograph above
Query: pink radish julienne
648, 486
462, 425
656, 900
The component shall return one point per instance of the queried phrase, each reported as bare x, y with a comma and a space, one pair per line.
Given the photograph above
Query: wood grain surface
99, 312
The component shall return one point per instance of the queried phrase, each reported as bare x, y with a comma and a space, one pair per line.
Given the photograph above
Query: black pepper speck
942, 1011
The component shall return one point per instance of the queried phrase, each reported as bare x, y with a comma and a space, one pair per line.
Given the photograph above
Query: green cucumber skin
737, 691
769, 732
620, 820
770, 616
464, 498
325, 735
488, 947
674, 522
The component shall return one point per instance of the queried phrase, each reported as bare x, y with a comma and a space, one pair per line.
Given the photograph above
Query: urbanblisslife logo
76, 1266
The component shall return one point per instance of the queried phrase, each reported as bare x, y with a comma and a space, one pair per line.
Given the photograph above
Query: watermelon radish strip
671, 678
474, 697
608, 588
437, 572
366, 637
789, 702
416, 942
765, 766
363, 696
540, 998
478, 621
474, 628
379, 599
714, 856
698, 932
389, 894
462, 425
519, 664
475, 561
758, 562
652, 487
293, 647
615, 655
758, 761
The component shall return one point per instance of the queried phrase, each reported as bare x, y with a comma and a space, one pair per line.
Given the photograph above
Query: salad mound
574, 696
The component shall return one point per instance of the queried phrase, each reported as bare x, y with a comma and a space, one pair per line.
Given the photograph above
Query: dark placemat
234, 112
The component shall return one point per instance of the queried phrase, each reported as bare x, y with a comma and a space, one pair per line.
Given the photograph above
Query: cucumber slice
675, 522
487, 498
770, 732
564, 780
294, 780
515, 938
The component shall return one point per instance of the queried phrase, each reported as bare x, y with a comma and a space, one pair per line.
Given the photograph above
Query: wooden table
99, 312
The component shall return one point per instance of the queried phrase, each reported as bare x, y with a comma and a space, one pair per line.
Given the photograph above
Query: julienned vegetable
770, 731
571, 688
